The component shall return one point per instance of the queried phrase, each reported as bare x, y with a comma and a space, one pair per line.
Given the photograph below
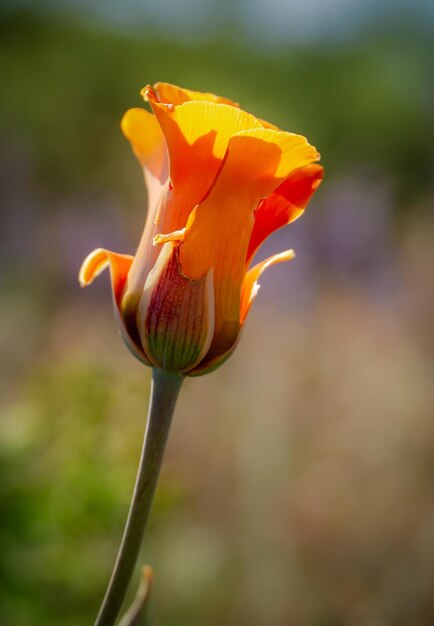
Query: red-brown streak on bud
176, 314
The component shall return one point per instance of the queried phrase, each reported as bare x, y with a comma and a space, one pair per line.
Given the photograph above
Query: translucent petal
250, 285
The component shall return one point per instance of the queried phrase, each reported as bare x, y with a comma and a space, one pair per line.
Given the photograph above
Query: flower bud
219, 182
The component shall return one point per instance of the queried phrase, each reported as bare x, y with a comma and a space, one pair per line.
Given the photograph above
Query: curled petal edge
250, 289
284, 205
93, 265
250, 284
172, 94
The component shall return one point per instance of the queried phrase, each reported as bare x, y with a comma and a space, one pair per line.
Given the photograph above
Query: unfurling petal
197, 135
98, 260
119, 264
147, 141
143, 131
219, 229
284, 205
250, 285
176, 314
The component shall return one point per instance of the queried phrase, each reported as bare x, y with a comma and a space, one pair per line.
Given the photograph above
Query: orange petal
197, 135
257, 161
250, 284
171, 94
176, 314
98, 260
144, 133
218, 231
284, 205
119, 264
147, 141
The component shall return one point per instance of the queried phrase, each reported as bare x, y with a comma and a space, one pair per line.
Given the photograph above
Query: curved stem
165, 389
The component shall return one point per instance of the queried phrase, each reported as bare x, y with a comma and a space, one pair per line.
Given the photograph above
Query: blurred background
298, 483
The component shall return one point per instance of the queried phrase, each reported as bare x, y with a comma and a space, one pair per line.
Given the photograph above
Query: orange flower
219, 181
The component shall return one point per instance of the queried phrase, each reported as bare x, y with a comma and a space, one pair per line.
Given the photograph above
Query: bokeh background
298, 484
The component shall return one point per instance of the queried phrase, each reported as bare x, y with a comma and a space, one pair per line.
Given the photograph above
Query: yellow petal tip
95, 263
145, 92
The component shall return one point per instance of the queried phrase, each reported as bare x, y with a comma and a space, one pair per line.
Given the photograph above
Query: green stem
165, 389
